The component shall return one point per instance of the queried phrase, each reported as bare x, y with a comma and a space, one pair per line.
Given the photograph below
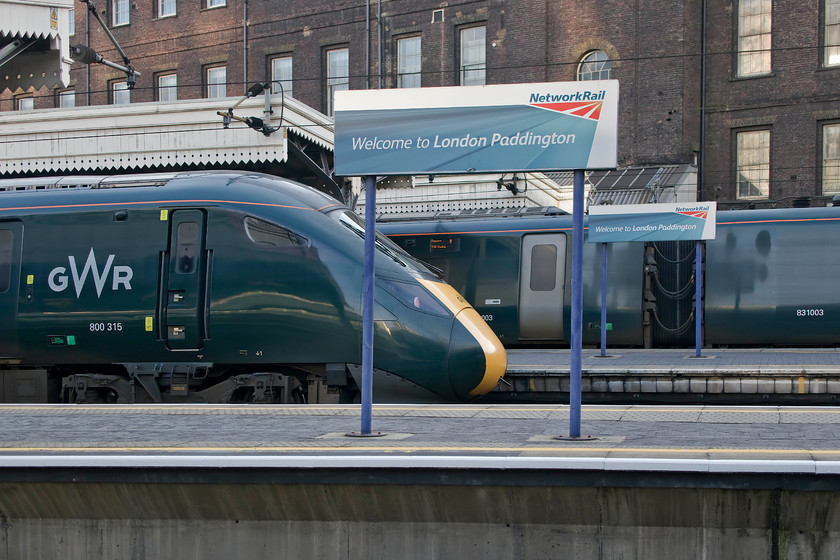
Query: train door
184, 281
10, 243
542, 286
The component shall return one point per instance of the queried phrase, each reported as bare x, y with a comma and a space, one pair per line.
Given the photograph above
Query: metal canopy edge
148, 135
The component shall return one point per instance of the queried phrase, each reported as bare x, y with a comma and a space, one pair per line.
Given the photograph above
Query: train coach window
266, 233
5, 259
543, 268
186, 247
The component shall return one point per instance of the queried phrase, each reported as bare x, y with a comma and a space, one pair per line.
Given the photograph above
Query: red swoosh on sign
587, 109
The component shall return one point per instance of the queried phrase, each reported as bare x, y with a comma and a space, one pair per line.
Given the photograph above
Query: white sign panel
652, 222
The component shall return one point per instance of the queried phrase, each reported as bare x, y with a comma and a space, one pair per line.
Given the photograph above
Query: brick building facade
784, 108
653, 47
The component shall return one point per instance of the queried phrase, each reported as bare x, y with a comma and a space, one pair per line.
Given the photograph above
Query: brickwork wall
654, 45
188, 43
655, 62
792, 101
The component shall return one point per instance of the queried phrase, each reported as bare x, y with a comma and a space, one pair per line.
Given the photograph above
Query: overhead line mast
86, 55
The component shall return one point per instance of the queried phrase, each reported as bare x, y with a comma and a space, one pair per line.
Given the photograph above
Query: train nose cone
477, 359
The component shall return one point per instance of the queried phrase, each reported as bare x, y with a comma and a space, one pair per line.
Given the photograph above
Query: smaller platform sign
652, 222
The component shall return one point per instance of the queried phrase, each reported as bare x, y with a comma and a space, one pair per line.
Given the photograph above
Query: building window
754, 35
119, 9
67, 99
832, 33
166, 8
408, 62
473, 56
167, 87
215, 3
120, 94
281, 74
753, 164
25, 103
71, 21
217, 81
831, 159
595, 65
338, 74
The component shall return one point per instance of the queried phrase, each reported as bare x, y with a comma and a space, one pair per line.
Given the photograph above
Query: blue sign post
367, 306
576, 347
603, 300
479, 129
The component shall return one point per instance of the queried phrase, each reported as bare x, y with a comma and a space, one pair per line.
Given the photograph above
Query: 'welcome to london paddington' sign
653, 222
477, 129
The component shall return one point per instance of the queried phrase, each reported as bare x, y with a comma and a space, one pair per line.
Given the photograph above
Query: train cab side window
186, 248
5, 259
543, 268
264, 233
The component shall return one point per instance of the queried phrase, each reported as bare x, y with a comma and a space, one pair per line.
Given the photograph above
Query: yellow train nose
477, 359
495, 357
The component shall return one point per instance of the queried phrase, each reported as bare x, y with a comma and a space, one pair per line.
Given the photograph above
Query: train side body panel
771, 278
278, 304
91, 292
89, 282
11, 242
625, 280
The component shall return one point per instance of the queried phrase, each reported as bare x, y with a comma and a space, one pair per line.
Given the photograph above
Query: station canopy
34, 44
178, 135
643, 185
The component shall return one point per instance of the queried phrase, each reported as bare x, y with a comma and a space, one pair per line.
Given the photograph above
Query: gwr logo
58, 279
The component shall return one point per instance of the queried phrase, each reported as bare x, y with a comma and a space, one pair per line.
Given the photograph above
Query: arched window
595, 65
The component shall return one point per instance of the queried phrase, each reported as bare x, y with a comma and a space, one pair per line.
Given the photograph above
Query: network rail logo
701, 212
586, 104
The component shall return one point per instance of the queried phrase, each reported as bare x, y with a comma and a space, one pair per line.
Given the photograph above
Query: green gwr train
217, 287
769, 278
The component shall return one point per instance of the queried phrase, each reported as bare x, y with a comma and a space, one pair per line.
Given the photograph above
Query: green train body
217, 287
769, 278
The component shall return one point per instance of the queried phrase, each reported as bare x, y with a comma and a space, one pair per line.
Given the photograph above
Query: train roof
208, 181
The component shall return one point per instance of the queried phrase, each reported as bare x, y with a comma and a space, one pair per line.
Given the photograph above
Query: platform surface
668, 438
796, 376
809, 361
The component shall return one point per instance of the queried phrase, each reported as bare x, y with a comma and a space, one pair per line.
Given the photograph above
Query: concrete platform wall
406, 522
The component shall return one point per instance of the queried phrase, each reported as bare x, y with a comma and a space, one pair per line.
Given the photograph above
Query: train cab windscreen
384, 245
